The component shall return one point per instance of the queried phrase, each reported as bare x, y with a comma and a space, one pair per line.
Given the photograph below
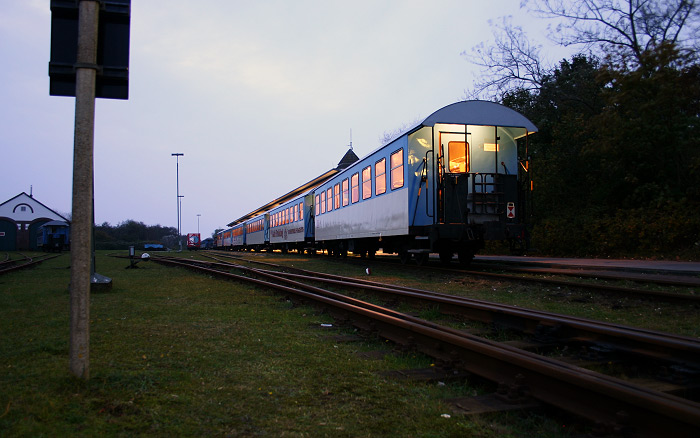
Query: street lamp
198, 215
177, 175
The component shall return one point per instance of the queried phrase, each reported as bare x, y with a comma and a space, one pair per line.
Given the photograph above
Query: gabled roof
24, 198
348, 159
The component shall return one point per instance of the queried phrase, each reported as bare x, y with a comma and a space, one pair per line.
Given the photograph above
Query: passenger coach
445, 186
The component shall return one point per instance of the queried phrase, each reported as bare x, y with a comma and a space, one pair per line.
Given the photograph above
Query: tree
512, 62
622, 29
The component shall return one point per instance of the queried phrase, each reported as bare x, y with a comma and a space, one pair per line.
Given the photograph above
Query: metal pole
198, 215
177, 176
81, 224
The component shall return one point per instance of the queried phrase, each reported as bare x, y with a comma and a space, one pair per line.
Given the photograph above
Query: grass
174, 353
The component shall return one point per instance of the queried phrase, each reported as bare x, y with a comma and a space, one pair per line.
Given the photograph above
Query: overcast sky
260, 96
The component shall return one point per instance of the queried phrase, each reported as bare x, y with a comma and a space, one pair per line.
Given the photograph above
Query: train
54, 236
444, 186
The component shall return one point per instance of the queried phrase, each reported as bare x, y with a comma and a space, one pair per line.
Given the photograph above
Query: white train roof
479, 112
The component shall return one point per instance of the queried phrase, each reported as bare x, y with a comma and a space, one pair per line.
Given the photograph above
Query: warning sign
511, 210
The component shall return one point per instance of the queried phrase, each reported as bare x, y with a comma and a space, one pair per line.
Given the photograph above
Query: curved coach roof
479, 112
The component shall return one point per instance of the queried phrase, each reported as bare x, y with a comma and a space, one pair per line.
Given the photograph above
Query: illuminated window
318, 205
355, 184
336, 196
397, 169
491, 147
329, 199
323, 202
346, 198
380, 176
459, 157
366, 182
301, 211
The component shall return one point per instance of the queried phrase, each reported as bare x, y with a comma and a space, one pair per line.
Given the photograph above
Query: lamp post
179, 218
177, 175
198, 215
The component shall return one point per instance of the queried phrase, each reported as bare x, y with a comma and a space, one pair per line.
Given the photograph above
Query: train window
301, 211
318, 205
355, 184
323, 202
336, 196
380, 176
329, 199
346, 199
459, 157
397, 169
366, 182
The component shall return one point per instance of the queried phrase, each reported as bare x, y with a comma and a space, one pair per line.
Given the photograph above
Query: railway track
10, 265
613, 404
552, 276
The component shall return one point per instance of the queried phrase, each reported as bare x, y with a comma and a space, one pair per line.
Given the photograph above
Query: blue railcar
54, 236
257, 237
291, 224
445, 186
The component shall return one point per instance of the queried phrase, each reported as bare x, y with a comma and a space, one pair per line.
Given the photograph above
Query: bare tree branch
627, 28
510, 62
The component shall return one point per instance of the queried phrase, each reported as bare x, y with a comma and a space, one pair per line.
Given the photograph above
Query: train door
453, 176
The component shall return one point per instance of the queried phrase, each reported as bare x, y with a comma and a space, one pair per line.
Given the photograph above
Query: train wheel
404, 256
465, 257
422, 258
446, 256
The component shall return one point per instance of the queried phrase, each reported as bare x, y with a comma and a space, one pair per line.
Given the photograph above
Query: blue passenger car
291, 225
257, 233
444, 186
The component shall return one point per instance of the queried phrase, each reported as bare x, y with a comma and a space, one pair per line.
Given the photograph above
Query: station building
21, 218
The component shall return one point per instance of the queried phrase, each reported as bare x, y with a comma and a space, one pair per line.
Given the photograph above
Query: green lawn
180, 354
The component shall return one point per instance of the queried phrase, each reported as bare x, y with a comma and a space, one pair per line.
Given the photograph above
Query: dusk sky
260, 96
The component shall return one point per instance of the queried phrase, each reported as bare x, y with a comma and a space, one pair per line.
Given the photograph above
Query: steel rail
604, 274
31, 262
638, 293
597, 397
666, 347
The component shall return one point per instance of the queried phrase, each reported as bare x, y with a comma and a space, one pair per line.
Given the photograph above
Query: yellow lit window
355, 184
459, 158
329, 199
323, 202
318, 206
397, 169
346, 198
380, 176
491, 147
366, 182
336, 196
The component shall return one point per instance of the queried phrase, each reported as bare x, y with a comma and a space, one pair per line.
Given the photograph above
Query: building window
366, 182
397, 169
380, 176
355, 185
23, 208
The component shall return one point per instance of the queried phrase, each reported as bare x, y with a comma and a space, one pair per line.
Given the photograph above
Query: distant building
20, 220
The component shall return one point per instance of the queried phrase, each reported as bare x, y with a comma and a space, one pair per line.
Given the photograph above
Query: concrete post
81, 226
